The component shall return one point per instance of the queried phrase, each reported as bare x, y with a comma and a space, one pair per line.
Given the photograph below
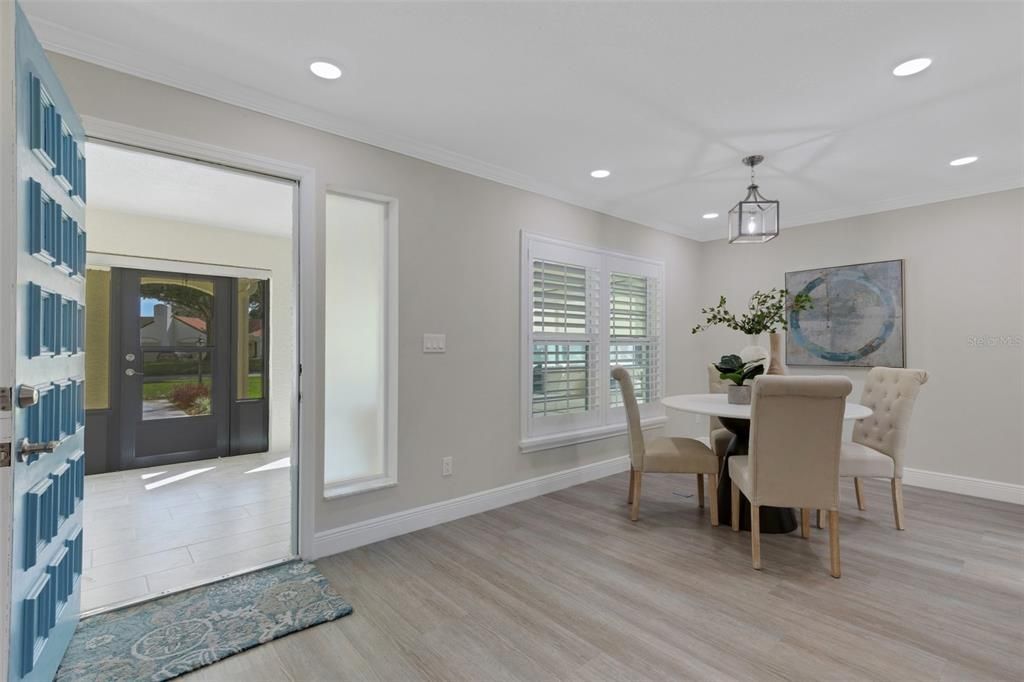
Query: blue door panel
49, 487
38, 619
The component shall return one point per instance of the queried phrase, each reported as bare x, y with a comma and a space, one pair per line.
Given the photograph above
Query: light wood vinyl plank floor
565, 587
150, 530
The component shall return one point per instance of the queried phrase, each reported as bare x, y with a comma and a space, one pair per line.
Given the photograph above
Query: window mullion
604, 381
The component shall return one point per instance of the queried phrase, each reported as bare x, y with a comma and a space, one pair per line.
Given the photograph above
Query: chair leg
821, 518
634, 511
735, 507
632, 482
713, 480
805, 522
897, 502
858, 487
700, 490
833, 541
755, 536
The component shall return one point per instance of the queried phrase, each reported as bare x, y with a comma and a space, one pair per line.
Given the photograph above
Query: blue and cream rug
173, 635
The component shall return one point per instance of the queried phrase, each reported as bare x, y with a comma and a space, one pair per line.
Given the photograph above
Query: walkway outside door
175, 364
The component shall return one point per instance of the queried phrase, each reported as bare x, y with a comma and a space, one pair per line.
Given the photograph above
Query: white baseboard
381, 528
362, 533
965, 485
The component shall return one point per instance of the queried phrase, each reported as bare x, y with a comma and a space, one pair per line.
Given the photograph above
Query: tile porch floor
155, 529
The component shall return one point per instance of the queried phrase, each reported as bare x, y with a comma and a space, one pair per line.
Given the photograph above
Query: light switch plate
433, 343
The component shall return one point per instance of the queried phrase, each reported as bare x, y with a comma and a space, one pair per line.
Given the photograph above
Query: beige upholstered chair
879, 441
718, 436
663, 455
796, 429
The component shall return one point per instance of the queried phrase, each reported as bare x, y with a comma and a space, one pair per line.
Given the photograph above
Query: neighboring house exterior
166, 329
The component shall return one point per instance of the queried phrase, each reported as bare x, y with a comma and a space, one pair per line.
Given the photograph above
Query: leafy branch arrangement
732, 368
766, 312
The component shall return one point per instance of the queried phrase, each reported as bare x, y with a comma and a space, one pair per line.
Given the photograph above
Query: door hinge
5, 455
5, 399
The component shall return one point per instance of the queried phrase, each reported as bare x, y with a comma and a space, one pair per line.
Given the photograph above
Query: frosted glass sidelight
355, 339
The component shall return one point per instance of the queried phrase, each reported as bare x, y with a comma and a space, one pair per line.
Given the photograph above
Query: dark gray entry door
174, 367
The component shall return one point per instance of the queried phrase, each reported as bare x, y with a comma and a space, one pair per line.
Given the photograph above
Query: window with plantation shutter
584, 312
634, 331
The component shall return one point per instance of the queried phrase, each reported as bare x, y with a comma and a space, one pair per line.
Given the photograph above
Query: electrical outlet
446, 466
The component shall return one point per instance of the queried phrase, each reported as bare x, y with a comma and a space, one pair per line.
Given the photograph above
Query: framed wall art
856, 318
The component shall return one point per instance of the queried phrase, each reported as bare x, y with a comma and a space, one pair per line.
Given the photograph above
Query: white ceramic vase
754, 350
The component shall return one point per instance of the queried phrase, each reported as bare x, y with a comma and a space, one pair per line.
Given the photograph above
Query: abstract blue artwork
856, 319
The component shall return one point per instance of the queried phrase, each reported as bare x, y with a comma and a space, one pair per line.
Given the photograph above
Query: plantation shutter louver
564, 347
634, 327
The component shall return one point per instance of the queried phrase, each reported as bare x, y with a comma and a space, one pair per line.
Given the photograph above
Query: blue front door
49, 397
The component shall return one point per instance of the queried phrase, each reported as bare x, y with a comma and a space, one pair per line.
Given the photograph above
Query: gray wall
963, 282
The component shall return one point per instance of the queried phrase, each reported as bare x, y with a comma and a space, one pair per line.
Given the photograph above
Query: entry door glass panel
176, 325
251, 354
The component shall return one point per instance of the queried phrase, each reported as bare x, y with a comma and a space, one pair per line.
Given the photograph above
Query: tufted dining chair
663, 455
796, 428
880, 441
719, 437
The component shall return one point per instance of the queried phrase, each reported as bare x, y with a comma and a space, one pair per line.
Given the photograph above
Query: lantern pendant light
754, 219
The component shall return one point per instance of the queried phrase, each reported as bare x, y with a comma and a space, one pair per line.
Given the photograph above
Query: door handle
27, 448
132, 373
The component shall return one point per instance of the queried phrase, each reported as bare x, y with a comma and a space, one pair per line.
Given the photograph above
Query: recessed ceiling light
910, 67
325, 70
709, 216
600, 173
963, 161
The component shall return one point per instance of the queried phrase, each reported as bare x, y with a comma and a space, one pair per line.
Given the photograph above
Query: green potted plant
767, 311
733, 368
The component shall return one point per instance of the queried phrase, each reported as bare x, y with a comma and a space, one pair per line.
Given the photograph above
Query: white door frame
8, 302
304, 250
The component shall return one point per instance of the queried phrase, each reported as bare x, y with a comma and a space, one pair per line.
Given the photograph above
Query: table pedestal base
773, 519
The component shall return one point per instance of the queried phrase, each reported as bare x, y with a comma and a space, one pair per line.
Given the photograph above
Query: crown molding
66, 41
908, 201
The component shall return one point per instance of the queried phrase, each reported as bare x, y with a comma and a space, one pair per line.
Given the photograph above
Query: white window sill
333, 491
557, 440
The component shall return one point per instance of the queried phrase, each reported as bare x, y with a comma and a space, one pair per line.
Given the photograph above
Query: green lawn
156, 390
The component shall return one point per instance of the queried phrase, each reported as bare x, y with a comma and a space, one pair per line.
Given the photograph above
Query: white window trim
388, 404
608, 421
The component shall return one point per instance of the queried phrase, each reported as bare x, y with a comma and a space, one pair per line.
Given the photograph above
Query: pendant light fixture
754, 219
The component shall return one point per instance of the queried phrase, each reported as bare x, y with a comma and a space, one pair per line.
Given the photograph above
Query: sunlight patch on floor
178, 477
282, 463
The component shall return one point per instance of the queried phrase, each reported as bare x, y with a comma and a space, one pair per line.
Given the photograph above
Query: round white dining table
736, 418
717, 405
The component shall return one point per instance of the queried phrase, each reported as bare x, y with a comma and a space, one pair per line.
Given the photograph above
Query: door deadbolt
27, 396
130, 357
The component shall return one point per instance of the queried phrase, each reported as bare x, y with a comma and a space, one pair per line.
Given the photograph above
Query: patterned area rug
173, 635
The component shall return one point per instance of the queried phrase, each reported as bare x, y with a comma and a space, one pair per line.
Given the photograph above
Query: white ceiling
668, 96
140, 183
